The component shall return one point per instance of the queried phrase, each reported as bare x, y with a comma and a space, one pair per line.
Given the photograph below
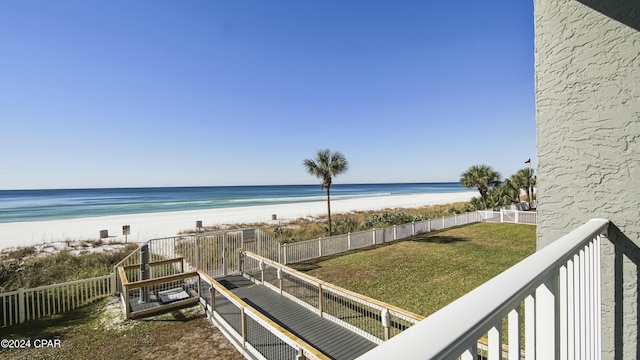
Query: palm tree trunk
531, 195
483, 196
329, 209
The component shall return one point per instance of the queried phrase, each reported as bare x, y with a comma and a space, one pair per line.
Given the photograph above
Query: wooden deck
328, 337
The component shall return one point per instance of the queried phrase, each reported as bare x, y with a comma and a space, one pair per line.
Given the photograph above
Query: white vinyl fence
311, 249
509, 216
29, 304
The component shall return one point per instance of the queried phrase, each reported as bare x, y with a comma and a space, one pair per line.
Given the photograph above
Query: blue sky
187, 93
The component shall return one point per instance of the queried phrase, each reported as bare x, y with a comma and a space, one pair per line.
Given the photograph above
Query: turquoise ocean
35, 205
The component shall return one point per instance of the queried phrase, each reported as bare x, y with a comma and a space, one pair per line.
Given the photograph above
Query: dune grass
24, 270
428, 271
300, 229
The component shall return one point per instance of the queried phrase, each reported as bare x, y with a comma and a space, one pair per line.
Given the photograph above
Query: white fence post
224, 251
279, 273
374, 236
501, 215
443, 223
261, 267
279, 253
428, 225
413, 228
349, 241
320, 246
284, 255
259, 243
516, 216
385, 317
21, 306
196, 251
395, 233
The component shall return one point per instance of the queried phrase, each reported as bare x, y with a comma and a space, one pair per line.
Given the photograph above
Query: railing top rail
335, 287
215, 232
9, 293
159, 280
220, 232
156, 263
82, 281
127, 257
174, 237
475, 310
239, 302
123, 275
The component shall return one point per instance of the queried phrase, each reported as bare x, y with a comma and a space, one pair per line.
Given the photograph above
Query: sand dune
148, 226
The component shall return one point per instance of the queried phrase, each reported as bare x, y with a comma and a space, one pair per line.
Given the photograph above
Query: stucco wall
587, 61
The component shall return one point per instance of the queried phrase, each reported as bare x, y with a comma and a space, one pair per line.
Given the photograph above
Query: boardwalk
330, 338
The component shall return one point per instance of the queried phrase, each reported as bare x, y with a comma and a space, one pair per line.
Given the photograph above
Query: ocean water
34, 205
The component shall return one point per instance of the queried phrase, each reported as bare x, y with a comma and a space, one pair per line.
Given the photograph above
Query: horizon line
243, 185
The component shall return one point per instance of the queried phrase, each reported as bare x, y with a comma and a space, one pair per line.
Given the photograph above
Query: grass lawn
429, 271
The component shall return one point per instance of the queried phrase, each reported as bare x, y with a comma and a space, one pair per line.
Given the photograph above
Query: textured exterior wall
588, 142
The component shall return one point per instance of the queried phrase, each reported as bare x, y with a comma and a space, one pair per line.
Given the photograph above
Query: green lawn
427, 272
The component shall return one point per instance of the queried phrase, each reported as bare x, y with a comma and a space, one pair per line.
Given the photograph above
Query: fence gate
508, 216
217, 254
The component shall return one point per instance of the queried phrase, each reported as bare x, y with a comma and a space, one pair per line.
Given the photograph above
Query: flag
528, 161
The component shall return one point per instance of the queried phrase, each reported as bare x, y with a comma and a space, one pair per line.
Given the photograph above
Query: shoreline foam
165, 224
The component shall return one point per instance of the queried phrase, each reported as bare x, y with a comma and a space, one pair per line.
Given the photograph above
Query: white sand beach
154, 225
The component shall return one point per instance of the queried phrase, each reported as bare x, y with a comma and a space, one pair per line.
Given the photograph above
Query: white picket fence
510, 216
311, 249
28, 304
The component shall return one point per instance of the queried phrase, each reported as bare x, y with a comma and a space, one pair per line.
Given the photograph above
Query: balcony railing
558, 291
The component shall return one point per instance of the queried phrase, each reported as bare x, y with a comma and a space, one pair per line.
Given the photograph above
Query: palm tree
512, 189
325, 166
526, 180
481, 177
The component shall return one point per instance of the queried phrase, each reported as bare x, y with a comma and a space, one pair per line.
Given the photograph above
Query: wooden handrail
123, 275
247, 308
336, 288
160, 280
